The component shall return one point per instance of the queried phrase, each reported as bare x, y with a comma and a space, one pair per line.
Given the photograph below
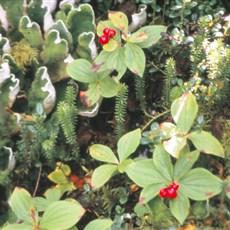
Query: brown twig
38, 180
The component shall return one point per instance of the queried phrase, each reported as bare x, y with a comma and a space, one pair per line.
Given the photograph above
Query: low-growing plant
158, 176
105, 78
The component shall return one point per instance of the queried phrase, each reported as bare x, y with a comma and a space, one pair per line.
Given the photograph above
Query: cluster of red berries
169, 192
107, 34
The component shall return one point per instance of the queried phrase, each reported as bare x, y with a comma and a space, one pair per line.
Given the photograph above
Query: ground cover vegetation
114, 114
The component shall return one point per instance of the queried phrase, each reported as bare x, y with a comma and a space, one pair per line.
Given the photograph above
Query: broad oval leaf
147, 35
64, 168
22, 226
184, 110
99, 225
184, 163
144, 173
128, 143
117, 60
102, 174
200, 184
149, 192
124, 164
168, 129
53, 194
109, 87
119, 20
40, 203
81, 70
135, 58
180, 207
22, 205
58, 177
92, 95
175, 144
206, 143
111, 45
61, 215
163, 163
103, 153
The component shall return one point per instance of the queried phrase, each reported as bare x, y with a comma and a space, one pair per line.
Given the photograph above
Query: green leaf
9, 87
81, 70
55, 48
40, 203
31, 31
227, 189
135, 59
22, 226
184, 163
110, 61
58, 177
92, 95
180, 207
36, 12
103, 153
60, 26
111, 45
53, 194
124, 164
128, 143
108, 87
175, 144
83, 14
105, 24
163, 163
117, 61
60, 174
14, 11
206, 143
61, 215
145, 169
101, 62
160, 213
102, 174
119, 20
147, 35
141, 210
22, 205
86, 46
99, 225
168, 129
149, 192
200, 184
184, 110
42, 91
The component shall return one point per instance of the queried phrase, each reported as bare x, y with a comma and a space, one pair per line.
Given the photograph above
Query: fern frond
218, 69
67, 116
140, 91
49, 144
120, 110
4, 178
197, 54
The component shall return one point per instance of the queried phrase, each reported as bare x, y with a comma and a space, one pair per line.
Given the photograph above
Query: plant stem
155, 118
38, 180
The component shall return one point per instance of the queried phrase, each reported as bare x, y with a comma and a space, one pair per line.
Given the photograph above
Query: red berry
171, 193
112, 33
174, 185
106, 31
163, 193
104, 39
